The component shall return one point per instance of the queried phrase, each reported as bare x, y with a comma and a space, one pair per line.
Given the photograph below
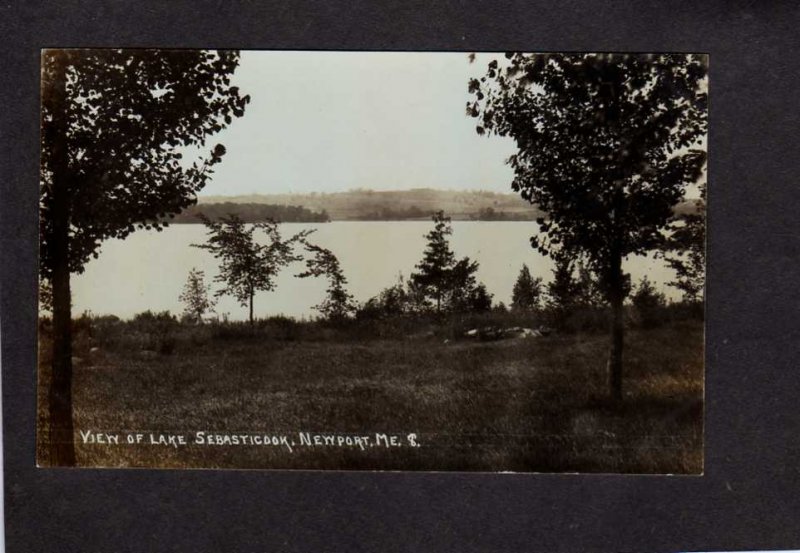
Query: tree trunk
61, 446
251, 306
617, 326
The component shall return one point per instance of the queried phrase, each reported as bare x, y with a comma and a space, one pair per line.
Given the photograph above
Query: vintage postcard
372, 260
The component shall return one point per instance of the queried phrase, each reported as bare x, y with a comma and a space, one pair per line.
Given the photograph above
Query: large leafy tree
248, 265
115, 125
606, 147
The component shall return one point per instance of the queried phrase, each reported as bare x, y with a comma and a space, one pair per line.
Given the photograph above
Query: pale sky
334, 121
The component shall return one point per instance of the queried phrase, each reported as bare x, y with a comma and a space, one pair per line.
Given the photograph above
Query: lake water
148, 269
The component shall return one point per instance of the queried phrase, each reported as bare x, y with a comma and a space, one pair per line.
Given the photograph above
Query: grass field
532, 404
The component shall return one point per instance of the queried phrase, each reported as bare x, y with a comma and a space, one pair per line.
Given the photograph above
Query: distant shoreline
417, 220
416, 204
364, 205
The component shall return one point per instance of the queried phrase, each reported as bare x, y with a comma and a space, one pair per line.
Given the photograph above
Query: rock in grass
496, 333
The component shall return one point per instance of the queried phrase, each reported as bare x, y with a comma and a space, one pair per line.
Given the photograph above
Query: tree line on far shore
253, 212
249, 213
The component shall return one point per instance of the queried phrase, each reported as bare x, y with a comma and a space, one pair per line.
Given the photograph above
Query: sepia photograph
363, 260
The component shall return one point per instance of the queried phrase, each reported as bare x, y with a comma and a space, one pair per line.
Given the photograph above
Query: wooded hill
390, 205
370, 205
250, 213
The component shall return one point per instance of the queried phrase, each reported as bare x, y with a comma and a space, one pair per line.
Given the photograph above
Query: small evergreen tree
447, 283
464, 293
195, 296
561, 290
338, 303
479, 299
527, 293
435, 269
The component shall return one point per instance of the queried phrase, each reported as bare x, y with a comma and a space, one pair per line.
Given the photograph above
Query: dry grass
515, 405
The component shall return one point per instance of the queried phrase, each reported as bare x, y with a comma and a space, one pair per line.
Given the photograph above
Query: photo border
748, 497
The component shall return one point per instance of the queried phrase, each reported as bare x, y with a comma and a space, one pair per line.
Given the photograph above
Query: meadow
526, 404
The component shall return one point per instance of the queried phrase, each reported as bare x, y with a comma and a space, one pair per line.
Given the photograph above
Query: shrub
155, 331
649, 304
149, 317
391, 302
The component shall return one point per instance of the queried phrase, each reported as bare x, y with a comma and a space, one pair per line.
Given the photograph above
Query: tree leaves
604, 143
246, 265
112, 123
527, 292
448, 282
338, 303
195, 296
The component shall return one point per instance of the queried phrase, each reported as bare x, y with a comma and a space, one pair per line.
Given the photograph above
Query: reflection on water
148, 269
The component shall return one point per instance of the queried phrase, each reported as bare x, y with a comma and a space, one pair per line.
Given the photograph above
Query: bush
649, 304
277, 328
587, 319
149, 317
391, 302
147, 331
